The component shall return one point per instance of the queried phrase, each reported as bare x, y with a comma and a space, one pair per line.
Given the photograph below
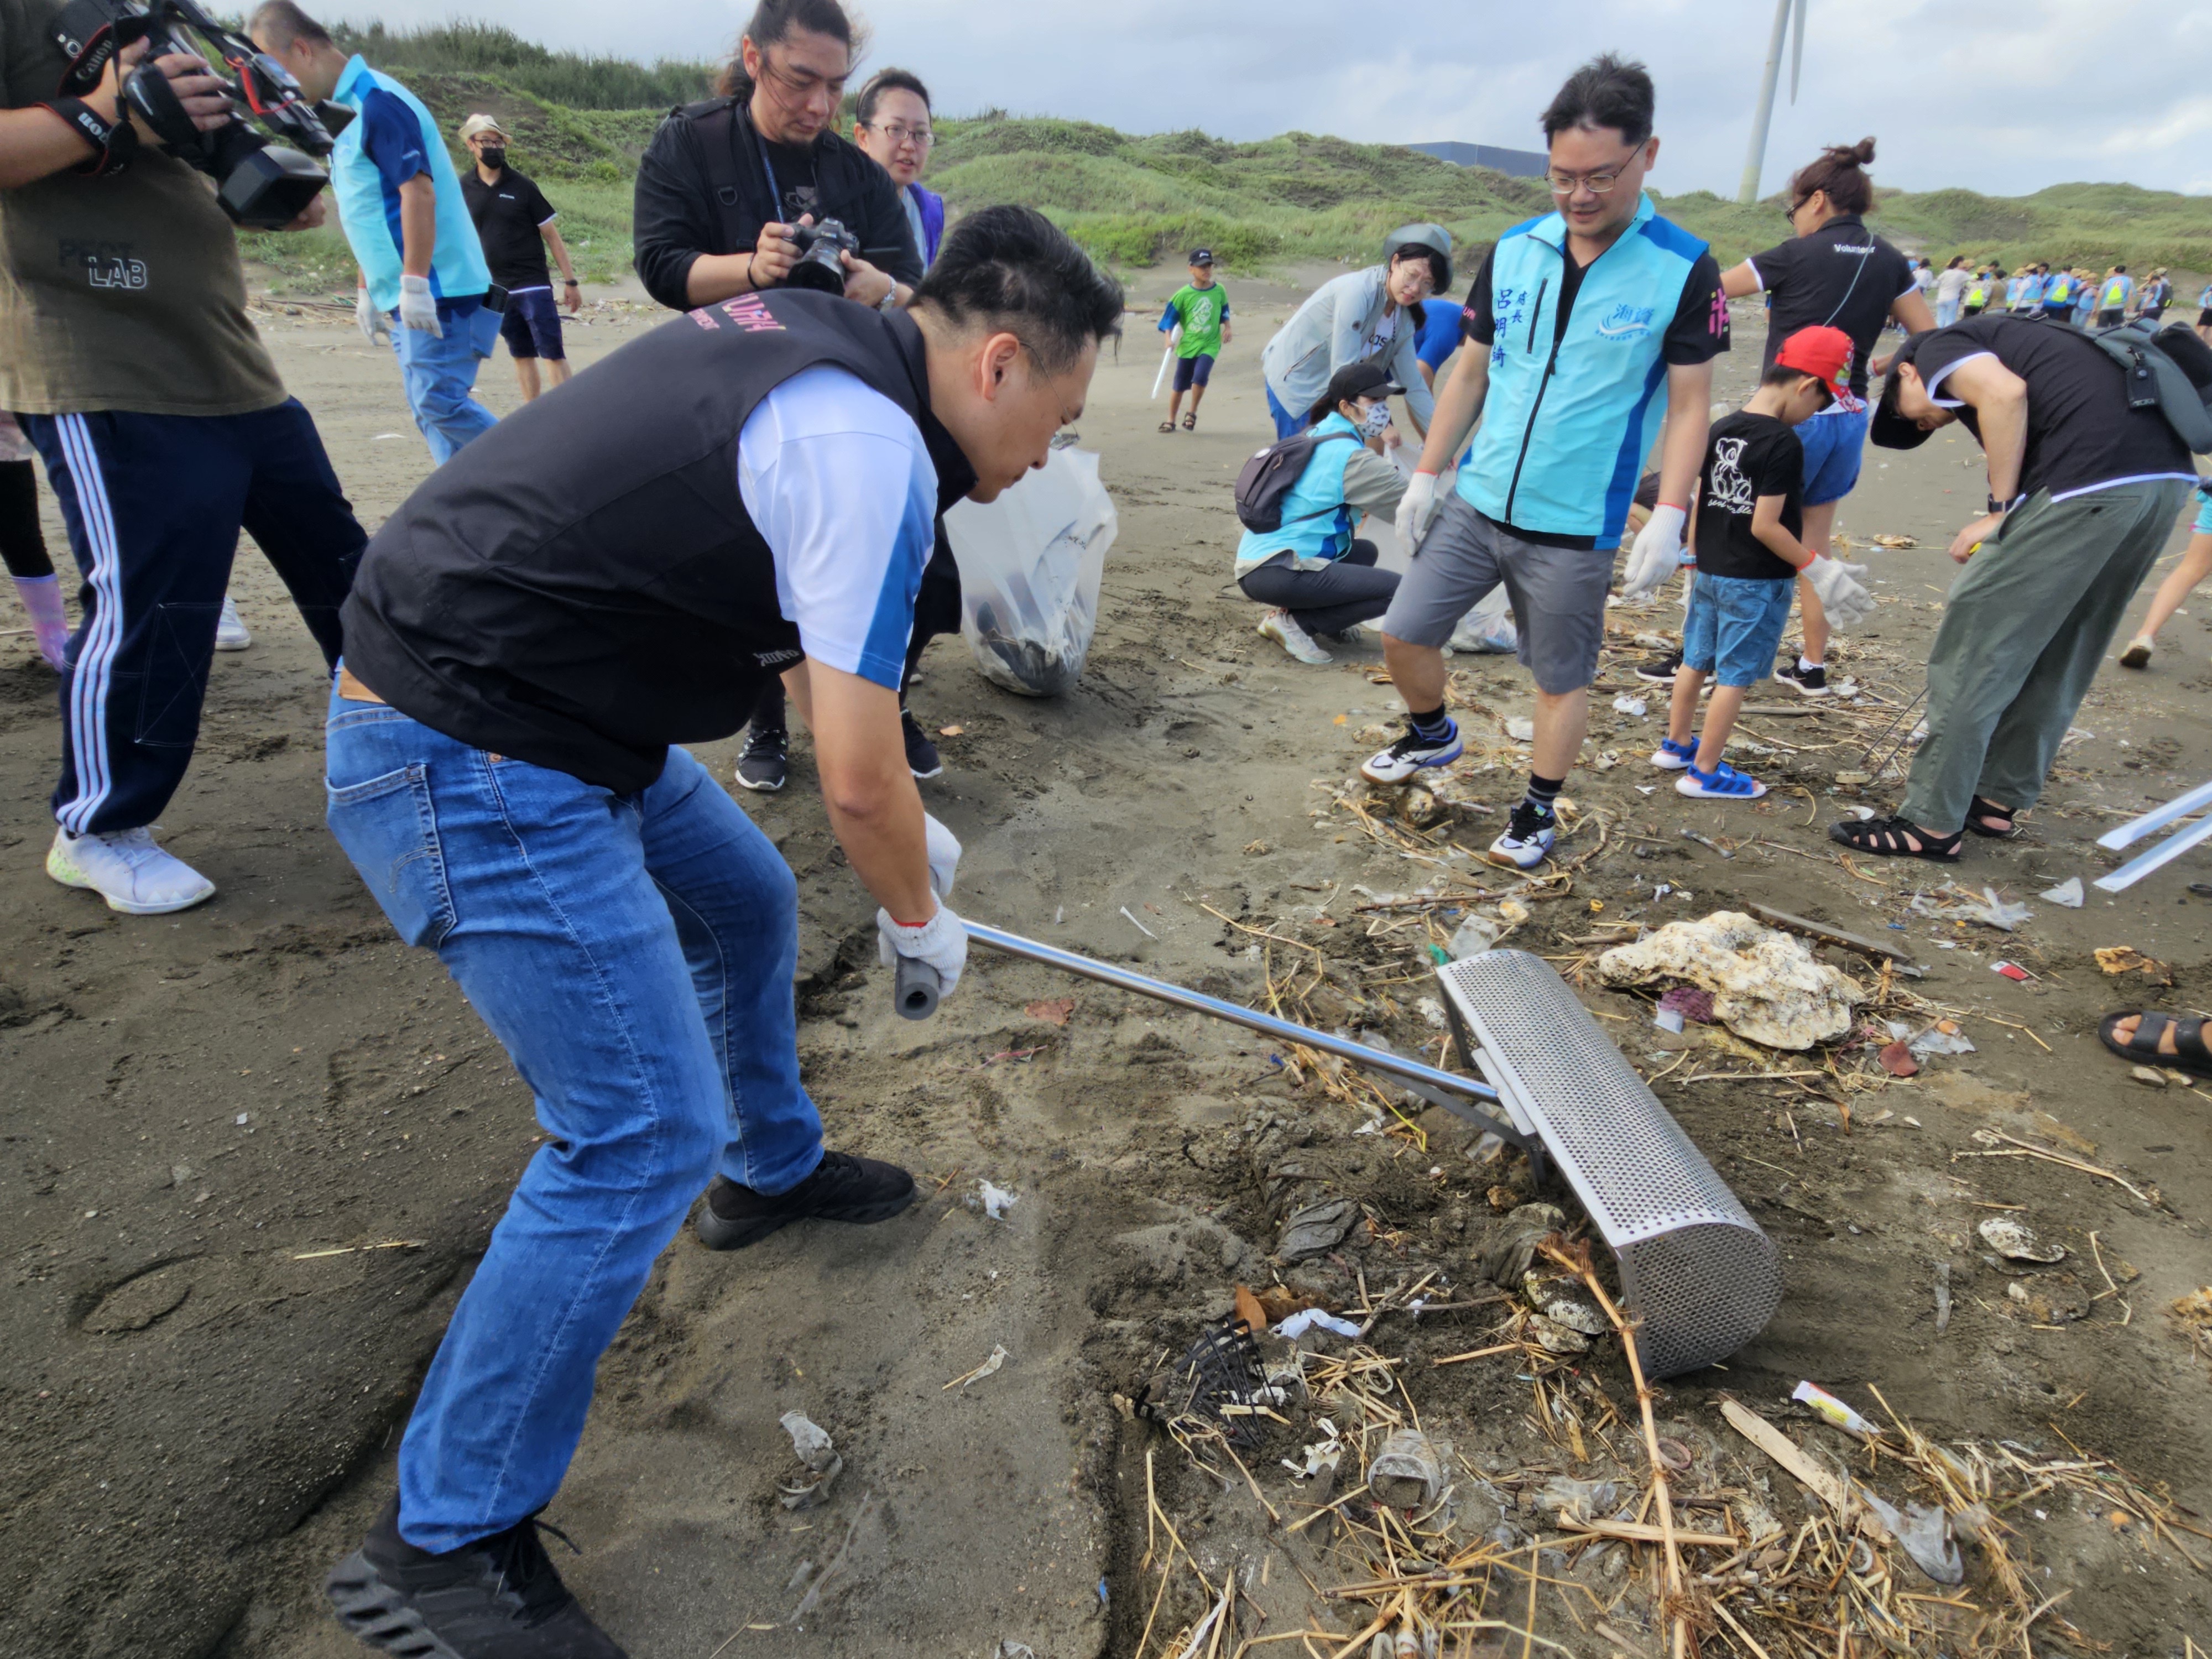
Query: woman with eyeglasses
723, 187
891, 124
1370, 316
1832, 272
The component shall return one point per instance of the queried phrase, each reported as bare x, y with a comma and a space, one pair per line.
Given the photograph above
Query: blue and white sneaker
1527, 839
1724, 782
1410, 754
1673, 756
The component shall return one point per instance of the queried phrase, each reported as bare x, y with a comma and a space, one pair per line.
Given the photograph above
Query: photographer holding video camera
127, 354
753, 189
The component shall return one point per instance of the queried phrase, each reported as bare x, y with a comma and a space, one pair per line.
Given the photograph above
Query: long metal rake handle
917, 993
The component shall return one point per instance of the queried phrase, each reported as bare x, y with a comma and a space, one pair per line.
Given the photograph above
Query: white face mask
1376, 422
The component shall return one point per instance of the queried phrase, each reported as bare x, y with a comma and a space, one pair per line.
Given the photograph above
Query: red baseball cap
1824, 352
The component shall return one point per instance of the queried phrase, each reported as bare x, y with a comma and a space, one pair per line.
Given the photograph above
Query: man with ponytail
1832, 272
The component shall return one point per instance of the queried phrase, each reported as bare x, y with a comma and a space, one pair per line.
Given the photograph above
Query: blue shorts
1734, 627
1192, 370
2203, 524
1834, 442
531, 327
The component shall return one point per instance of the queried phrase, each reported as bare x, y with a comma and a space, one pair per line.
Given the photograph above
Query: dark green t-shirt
122, 293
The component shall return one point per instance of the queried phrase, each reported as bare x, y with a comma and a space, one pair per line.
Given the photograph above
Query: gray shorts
1557, 594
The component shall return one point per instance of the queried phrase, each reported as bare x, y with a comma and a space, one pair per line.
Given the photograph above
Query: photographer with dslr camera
400, 201
127, 354
728, 196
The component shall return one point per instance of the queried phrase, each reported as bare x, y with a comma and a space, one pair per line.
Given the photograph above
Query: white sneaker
230, 633
128, 871
1283, 628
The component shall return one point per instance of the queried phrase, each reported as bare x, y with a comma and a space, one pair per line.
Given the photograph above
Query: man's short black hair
1609, 91
284, 23
1011, 268
888, 79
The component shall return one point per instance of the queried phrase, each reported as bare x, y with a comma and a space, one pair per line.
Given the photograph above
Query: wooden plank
1828, 935
1827, 1487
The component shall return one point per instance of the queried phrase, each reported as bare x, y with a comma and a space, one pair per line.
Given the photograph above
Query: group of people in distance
1584, 345
2036, 290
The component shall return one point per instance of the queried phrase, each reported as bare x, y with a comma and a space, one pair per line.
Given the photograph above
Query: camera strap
90, 33
114, 141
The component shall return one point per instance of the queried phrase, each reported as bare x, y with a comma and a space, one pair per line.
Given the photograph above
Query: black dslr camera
819, 266
263, 183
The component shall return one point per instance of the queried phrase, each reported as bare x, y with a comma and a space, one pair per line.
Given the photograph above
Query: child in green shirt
1201, 311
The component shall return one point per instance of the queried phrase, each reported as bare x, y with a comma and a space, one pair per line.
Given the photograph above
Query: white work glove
416, 309
942, 942
367, 318
1842, 596
943, 857
1656, 554
1416, 511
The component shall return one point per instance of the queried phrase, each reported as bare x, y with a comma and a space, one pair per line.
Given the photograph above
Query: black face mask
493, 157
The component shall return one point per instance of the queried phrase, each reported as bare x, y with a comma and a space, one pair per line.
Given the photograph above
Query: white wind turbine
1747, 193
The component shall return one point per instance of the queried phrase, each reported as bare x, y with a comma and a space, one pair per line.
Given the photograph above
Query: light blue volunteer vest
1564, 429
2061, 290
1325, 535
370, 211
2117, 291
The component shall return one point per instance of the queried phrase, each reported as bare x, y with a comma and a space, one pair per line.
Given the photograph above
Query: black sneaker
841, 1188
497, 1598
765, 761
1659, 670
921, 756
1811, 682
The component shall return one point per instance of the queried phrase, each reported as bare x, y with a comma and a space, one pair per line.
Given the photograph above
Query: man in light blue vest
407, 224
1591, 332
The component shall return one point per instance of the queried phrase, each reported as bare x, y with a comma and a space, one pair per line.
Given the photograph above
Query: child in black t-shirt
1746, 523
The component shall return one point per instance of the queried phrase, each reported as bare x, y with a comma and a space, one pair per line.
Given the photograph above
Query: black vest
582, 586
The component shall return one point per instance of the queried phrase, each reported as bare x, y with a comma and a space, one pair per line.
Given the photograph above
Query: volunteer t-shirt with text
1747, 456
1843, 276
120, 292
508, 215
1200, 312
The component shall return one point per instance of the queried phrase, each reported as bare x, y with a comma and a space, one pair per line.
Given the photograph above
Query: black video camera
819, 266
263, 183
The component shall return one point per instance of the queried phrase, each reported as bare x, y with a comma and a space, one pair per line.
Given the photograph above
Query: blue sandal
1673, 756
1724, 782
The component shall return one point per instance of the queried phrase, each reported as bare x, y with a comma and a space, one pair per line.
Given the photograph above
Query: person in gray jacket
1362, 317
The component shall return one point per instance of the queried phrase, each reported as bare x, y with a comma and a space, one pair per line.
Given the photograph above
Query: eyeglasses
895, 135
1599, 183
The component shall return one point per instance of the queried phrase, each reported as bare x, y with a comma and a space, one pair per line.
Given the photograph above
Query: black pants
23, 545
936, 611
1350, 590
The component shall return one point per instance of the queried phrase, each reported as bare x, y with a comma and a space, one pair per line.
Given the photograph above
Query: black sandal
2191, 1055
1985, 809
1167, 426
1892, 837
1190, 421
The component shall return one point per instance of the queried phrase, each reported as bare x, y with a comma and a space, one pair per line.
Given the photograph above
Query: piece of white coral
1766, 986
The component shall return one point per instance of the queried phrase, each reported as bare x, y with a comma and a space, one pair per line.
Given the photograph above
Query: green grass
580, 124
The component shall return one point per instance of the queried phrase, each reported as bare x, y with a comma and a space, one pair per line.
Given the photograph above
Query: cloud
2043, 92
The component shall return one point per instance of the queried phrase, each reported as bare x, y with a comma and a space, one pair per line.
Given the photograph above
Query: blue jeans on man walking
441, 376
633, 955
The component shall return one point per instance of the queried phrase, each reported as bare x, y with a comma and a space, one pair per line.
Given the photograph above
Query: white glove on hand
1842, 596
1416, 511
942, 942
367, 318
943, 857
416, 309
1656, 554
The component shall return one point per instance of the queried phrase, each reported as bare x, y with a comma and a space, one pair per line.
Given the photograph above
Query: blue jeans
633, 955
1734, 627
441, 376
1287, 425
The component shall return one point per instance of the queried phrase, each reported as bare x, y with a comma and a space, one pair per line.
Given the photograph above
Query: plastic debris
1520, 729
1668, 1019
1943, 1037
1030, 563
2011, 970
1586, 1500
1432, 1013
1624, 704
2068, 893
1838, 1412
1307, 1319
2016, 1241
1218, 1381
1408, 1473
1765, 984
996, 1201
1951, 903
989, 1367
1314, 1228
1474, 936
1923, 1534
1513, 910
818, 1452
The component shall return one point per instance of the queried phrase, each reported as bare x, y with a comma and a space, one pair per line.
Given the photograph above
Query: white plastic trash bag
1488, 627
1030, 564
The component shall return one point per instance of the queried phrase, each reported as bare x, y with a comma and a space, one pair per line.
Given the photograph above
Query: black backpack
1270, 476
2168, 369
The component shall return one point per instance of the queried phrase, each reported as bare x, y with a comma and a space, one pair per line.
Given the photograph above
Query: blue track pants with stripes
155, 504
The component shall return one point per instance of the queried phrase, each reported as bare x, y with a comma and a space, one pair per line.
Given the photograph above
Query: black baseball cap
1359, 380
1200, 256
1888, 429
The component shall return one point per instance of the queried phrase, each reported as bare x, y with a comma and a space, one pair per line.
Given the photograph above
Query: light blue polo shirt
395, 139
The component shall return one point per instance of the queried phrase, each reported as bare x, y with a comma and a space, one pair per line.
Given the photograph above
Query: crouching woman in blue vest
1318, 579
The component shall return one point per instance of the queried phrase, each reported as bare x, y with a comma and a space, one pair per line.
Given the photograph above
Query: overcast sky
2004, 99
